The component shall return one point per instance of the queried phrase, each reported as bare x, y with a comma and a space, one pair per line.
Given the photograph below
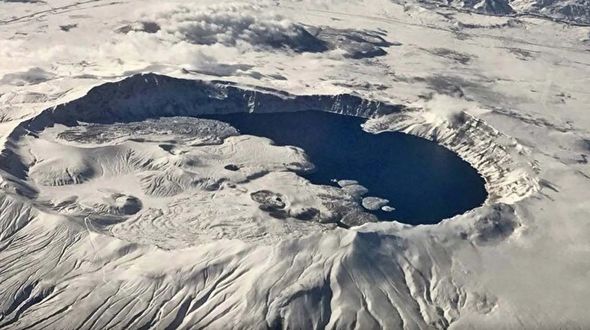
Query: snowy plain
102, 227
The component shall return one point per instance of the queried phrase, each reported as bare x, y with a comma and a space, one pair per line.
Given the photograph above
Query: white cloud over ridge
234, 24
248, 26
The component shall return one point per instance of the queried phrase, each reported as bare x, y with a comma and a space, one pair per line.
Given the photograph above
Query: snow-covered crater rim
503, 163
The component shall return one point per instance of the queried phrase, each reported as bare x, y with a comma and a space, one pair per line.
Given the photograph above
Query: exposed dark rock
68, 27
148, 27
268, 200
357, 218
232, 167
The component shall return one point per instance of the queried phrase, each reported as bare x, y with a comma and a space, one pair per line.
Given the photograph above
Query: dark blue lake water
424, 182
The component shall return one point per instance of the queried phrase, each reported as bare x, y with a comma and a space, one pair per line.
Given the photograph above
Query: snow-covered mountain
83, 180
121, 210
576, 11
573, 11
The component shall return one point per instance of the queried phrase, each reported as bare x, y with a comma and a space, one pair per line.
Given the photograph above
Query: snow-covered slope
112, 217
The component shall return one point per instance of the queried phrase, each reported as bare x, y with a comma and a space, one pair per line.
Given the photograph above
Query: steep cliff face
150, 95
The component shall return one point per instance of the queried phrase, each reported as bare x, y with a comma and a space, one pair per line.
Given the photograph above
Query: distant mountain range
571, 11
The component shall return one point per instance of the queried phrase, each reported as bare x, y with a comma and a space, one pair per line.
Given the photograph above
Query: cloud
233, 24
248, 26
444, 108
